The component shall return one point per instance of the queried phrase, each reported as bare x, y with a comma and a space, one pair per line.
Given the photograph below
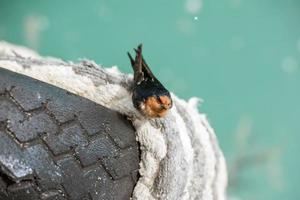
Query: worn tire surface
57, 145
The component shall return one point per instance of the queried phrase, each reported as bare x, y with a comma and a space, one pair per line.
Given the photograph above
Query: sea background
241, 57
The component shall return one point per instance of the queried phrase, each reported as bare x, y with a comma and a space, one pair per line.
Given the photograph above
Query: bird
149, 96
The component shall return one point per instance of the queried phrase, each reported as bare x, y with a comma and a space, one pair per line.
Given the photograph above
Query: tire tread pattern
55, 145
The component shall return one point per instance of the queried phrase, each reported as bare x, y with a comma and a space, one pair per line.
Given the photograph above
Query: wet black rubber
55, 145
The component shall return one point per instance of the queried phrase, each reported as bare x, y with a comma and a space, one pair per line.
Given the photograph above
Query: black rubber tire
57, 145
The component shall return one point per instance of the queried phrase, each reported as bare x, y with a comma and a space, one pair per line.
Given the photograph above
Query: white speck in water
289, 65
195, 18
186, 26
193, 6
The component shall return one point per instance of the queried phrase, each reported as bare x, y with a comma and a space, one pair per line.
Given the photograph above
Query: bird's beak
164, 107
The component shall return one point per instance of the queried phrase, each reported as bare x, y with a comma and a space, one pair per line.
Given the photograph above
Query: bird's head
156, 106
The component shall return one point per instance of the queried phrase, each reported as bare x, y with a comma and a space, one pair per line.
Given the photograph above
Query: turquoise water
241, 57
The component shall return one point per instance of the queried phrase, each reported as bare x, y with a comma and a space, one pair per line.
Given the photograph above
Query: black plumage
146, 84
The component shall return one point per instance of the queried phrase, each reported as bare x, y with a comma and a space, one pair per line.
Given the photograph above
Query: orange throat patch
156, 106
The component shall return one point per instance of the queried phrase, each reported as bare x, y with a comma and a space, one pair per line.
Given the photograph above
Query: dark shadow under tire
57, 145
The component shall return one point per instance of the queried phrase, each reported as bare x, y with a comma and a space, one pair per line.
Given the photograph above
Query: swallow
149, 96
